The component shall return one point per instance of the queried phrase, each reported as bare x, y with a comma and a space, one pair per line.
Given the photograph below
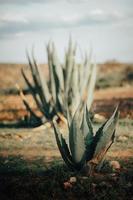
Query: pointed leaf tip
105, 136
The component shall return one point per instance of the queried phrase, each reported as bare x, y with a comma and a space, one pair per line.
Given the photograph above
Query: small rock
99, 118
115, 165
73, 179
122, 138
110, 166
17, 137
67, 185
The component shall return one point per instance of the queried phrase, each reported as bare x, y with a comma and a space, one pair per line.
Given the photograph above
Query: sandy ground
40, 141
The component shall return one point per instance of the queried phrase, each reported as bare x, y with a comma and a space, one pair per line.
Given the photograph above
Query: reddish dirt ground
105, 100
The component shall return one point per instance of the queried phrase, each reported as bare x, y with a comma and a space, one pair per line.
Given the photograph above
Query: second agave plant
86, 149
69, 84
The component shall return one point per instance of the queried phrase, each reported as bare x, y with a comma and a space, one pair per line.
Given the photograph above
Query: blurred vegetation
111, 75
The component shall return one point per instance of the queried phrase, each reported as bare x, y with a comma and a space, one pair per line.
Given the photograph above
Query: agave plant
86, 148
68, 84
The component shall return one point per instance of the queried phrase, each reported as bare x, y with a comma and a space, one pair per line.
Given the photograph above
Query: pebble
115, 165
73, 179
99, 118
122, 138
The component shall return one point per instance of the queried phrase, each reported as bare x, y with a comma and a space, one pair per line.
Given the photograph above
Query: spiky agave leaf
86, 125
105, 137
69, 67
42, 89
81, 74
33, 71
76, 140
43, 84
51, 73
44, 97
28, 108
63, 147
58, 78
68, 115
43, 92
63, 88
91, 86
85, 76
59, 81
58, 68
87, 131
75, 98
38, 102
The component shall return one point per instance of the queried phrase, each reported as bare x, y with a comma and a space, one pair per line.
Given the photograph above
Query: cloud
104, 16
77, 1
9, 18
23, 2
11, 23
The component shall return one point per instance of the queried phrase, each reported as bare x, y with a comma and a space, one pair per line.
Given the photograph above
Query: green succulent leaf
91, 86
66, 149
68, 115
33, 70
69, 67
86, 125
76, 140
68, 85
58, 68
37, 79
42, 83
75, 94
105, 137
32, 113
38, 102
87, 131
51, 73
63, 148
35, 67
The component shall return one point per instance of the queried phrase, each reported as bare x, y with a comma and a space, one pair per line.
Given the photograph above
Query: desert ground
30, 164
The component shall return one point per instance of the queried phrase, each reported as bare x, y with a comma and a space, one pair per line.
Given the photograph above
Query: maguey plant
68, 85
86, 149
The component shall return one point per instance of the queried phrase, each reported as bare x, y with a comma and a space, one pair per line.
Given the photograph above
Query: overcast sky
106, 26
